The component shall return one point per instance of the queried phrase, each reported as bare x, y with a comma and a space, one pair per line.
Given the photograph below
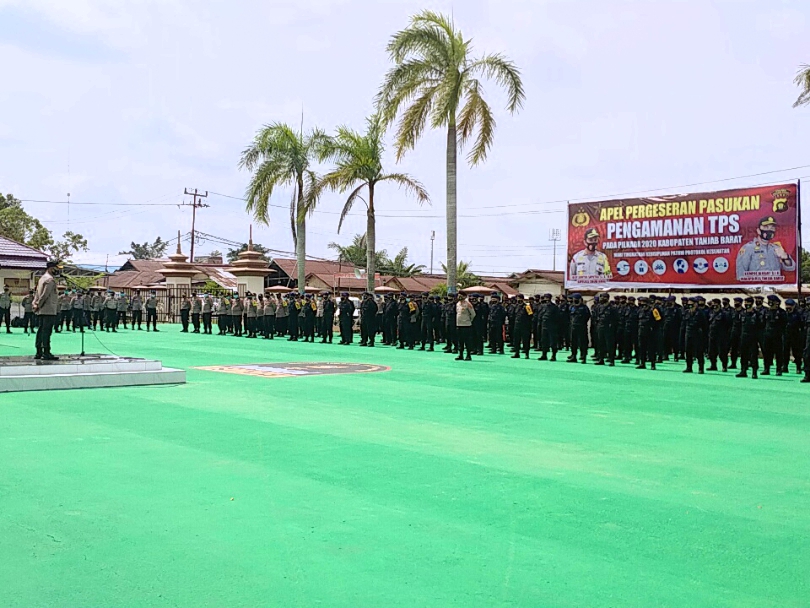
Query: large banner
727, 239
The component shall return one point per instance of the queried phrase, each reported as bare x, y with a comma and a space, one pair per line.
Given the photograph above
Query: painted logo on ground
296, 369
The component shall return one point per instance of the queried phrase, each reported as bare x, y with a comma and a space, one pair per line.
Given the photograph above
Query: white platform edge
38, 382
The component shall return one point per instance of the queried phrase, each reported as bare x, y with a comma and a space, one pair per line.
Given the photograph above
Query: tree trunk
301, 240
371, 241
452, 264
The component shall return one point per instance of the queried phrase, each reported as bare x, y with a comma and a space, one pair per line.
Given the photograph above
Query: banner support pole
799, 249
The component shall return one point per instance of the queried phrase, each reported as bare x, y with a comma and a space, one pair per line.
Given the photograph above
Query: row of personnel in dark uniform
646, 330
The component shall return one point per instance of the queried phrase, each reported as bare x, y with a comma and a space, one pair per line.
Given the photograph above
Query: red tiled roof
289, 266
17, 255
555, 276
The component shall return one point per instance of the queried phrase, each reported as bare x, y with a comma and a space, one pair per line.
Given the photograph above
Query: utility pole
194, 206
432, 238
554, 236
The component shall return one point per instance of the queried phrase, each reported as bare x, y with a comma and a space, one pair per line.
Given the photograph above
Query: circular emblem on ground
296, 369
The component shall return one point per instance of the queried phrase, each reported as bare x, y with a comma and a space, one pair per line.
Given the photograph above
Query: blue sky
133, 102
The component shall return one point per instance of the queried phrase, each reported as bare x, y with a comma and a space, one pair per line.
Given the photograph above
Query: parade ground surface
433, 483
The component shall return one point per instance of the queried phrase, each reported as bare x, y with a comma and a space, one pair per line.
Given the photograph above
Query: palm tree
355, 253
802, 80
466, 278
435, 77
399, 266
280, 156
358, 167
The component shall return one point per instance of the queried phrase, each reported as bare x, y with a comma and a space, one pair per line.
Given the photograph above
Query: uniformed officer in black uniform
649, 319
429, 313
794, 333
719, 329
580, 315
696, 329
773, 345
750, 324
549, 326
497, 318
346, 318
368, 320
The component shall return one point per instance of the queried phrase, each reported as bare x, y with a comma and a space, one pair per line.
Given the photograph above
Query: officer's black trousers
428, 334
270, 325
749, 352
451, 331
695, 349
28, 322
523, 341
110, 316
772, 347
807, 355
281, 326
647, 344
122, 318
793, 346
630, 344
718, 347
607, 343
195, 321
346, 336
464, 340
184, 318
328, 329
78, 319
137, 318
734, 343
548, 338
5, 317
496, 338
43, 340
579, 342
367, 331
292, 326
151, 317
237, 324
206, 322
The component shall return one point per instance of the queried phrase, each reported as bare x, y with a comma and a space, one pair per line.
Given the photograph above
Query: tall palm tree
355, 253
280, 156
802, 80
435, 77
358, 167
466, 278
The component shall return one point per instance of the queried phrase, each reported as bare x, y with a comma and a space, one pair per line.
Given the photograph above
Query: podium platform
83, 371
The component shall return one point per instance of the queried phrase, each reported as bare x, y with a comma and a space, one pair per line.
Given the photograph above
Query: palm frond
412, 124
476, 114
409, 184
802, 80
347, 206
504, 71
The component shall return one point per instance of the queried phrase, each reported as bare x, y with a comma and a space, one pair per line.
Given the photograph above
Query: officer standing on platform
346, 318
750, 324
46, 307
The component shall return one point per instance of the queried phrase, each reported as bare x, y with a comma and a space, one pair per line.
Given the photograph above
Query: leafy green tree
436, 78
358, 168
399, 266
466, 278
147, 251
233, 254
439, 290
280, 156
17, 225
64, 249
805, 266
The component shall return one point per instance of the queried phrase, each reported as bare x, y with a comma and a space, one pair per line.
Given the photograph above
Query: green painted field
439, 483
